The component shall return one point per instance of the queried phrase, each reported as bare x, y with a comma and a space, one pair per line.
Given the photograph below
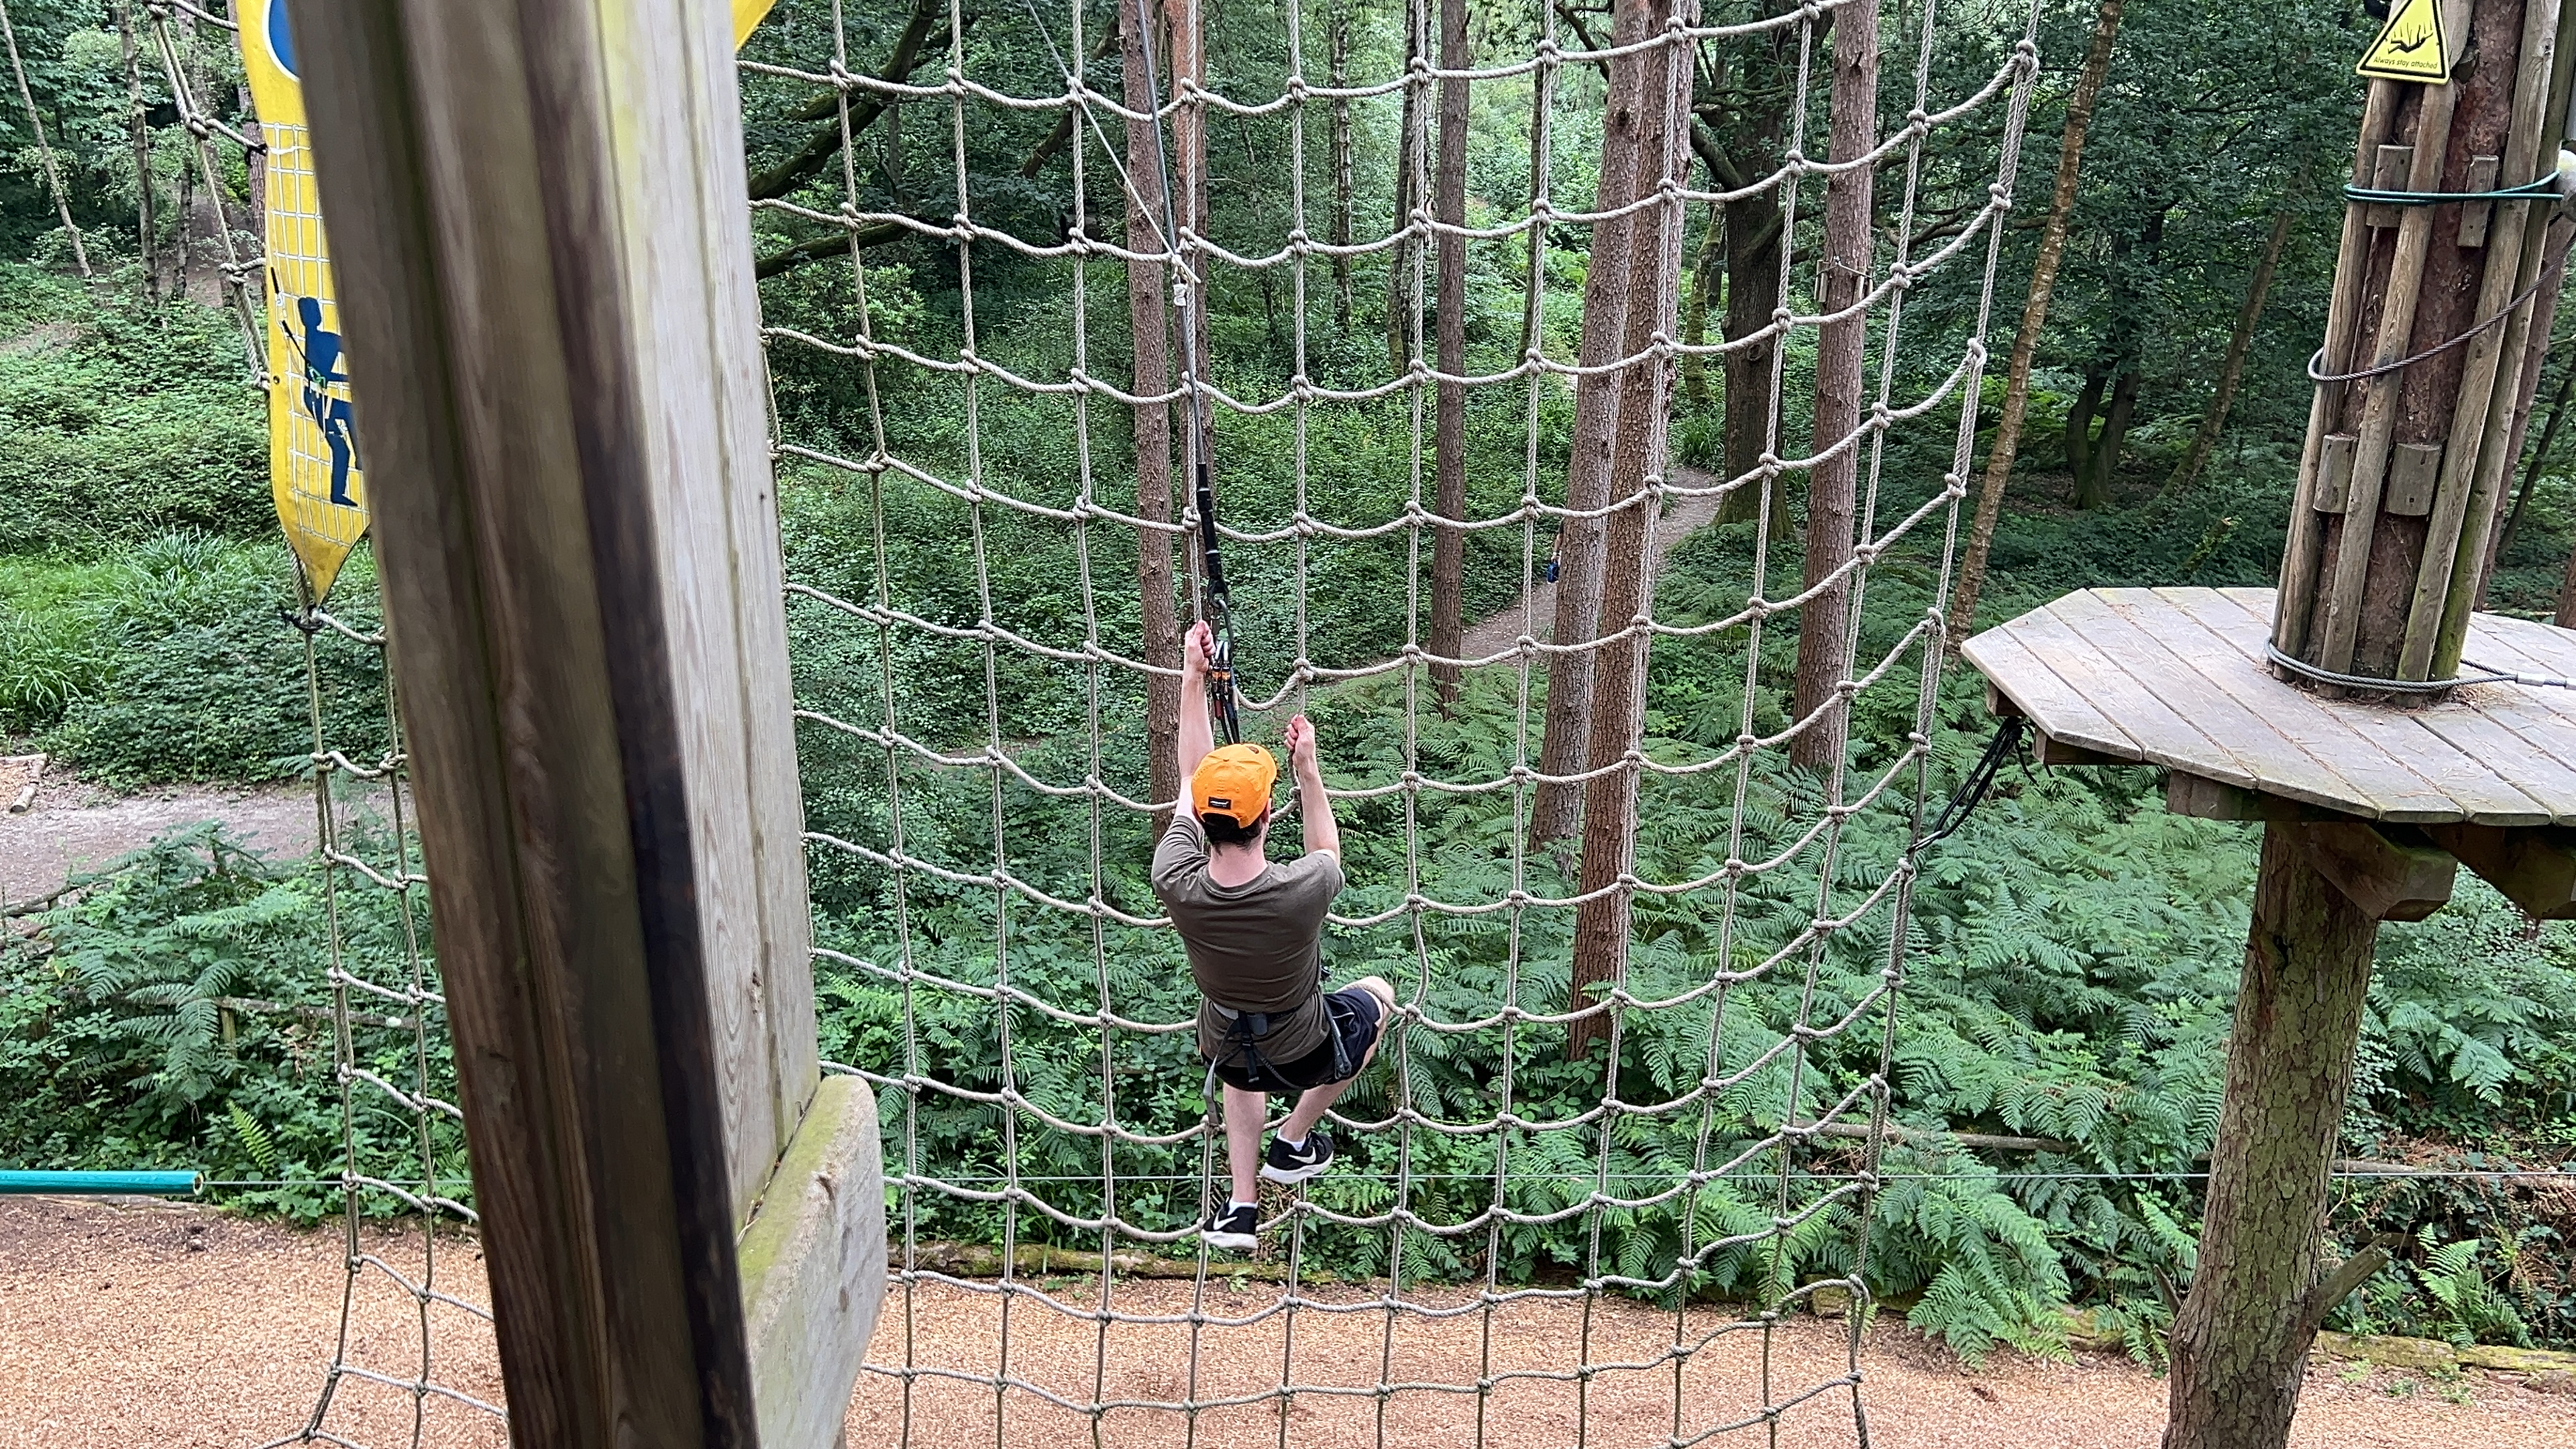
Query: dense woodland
2075, 947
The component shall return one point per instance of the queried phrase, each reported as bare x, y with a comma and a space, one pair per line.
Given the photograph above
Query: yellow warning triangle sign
2413, 46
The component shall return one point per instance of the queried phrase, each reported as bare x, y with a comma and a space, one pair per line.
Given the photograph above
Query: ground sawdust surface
166, 1325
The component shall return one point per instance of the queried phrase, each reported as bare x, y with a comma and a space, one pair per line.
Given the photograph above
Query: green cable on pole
99, 1184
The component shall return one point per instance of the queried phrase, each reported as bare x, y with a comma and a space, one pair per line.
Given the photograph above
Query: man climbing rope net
1254, 931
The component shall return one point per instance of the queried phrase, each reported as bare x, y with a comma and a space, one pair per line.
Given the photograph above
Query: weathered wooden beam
2049, 750
545, 265
2534, 868
2388, 872
2206, 799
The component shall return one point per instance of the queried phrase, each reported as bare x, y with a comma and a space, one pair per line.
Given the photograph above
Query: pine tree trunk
1568, 735
2034, 315
1824, 621
1753, 267
1147, 292
1712, 256
1403, 276
1639, 453
1337, 42
2240, 1343
2239, 342
1449, 204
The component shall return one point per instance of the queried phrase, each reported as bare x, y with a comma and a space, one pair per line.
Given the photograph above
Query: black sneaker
1233, 1229
1296, 1164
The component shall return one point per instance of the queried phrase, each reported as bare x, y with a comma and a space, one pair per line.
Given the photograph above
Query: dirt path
77, 826
1497, 631
168, 1325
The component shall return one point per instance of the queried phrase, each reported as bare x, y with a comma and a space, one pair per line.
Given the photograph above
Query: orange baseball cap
1235, 781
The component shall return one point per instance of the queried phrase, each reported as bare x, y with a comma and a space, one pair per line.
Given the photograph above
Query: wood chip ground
177, 1327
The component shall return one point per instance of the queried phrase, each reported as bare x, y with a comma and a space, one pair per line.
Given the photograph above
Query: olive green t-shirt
1256, 947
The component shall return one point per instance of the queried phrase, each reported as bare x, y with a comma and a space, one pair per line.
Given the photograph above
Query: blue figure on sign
320, 349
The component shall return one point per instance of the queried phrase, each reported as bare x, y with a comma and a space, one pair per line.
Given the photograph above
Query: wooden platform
2175, 677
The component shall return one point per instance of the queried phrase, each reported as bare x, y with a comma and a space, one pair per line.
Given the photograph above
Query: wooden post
2240, 1344
2396, 486
545, 259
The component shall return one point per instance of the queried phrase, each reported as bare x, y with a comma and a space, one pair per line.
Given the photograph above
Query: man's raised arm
1195, 734
1314, 807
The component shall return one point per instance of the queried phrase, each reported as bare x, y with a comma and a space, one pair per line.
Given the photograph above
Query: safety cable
1972, 790
2486, 674
1214, 604
2539, 188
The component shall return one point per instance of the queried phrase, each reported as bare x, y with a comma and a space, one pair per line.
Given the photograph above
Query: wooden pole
2240, 1343
545, 262
2396, 486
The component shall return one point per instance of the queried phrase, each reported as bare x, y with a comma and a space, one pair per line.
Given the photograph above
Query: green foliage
125, 419
118, 1050
172, 661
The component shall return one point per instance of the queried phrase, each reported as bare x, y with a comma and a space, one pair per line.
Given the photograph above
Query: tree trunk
1449, 204
1567, 740
1639, 454
139, 130
1753, 266
2034, 315
1696, 306
2240, 1343
1842, 345
2232, 371
2093, 485
1403, 276
1337, 43
2079, 423
1147, 294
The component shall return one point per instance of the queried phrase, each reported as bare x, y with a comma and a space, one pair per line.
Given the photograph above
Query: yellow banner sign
2413, 46
314, 468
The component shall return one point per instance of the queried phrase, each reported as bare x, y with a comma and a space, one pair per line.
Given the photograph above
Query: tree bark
2034, 315
1149, 326
1639, 456
2240, 1343
2079, 422
1567, 739
1337, 44
2232, 371
1695, 307
139, 130
1449, 442
2093, 485
1754, 262
1403, 276
1842, 345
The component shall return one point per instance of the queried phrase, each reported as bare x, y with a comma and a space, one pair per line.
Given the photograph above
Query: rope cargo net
1477, 1269
1561, 1217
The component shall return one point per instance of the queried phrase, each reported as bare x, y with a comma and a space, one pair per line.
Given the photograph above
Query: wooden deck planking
2486, 782
2176, 677
2058, 708
2229, 730
2388, 785
2475, 786
2139, 717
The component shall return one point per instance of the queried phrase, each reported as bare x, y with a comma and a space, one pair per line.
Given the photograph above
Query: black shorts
1354, 1017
